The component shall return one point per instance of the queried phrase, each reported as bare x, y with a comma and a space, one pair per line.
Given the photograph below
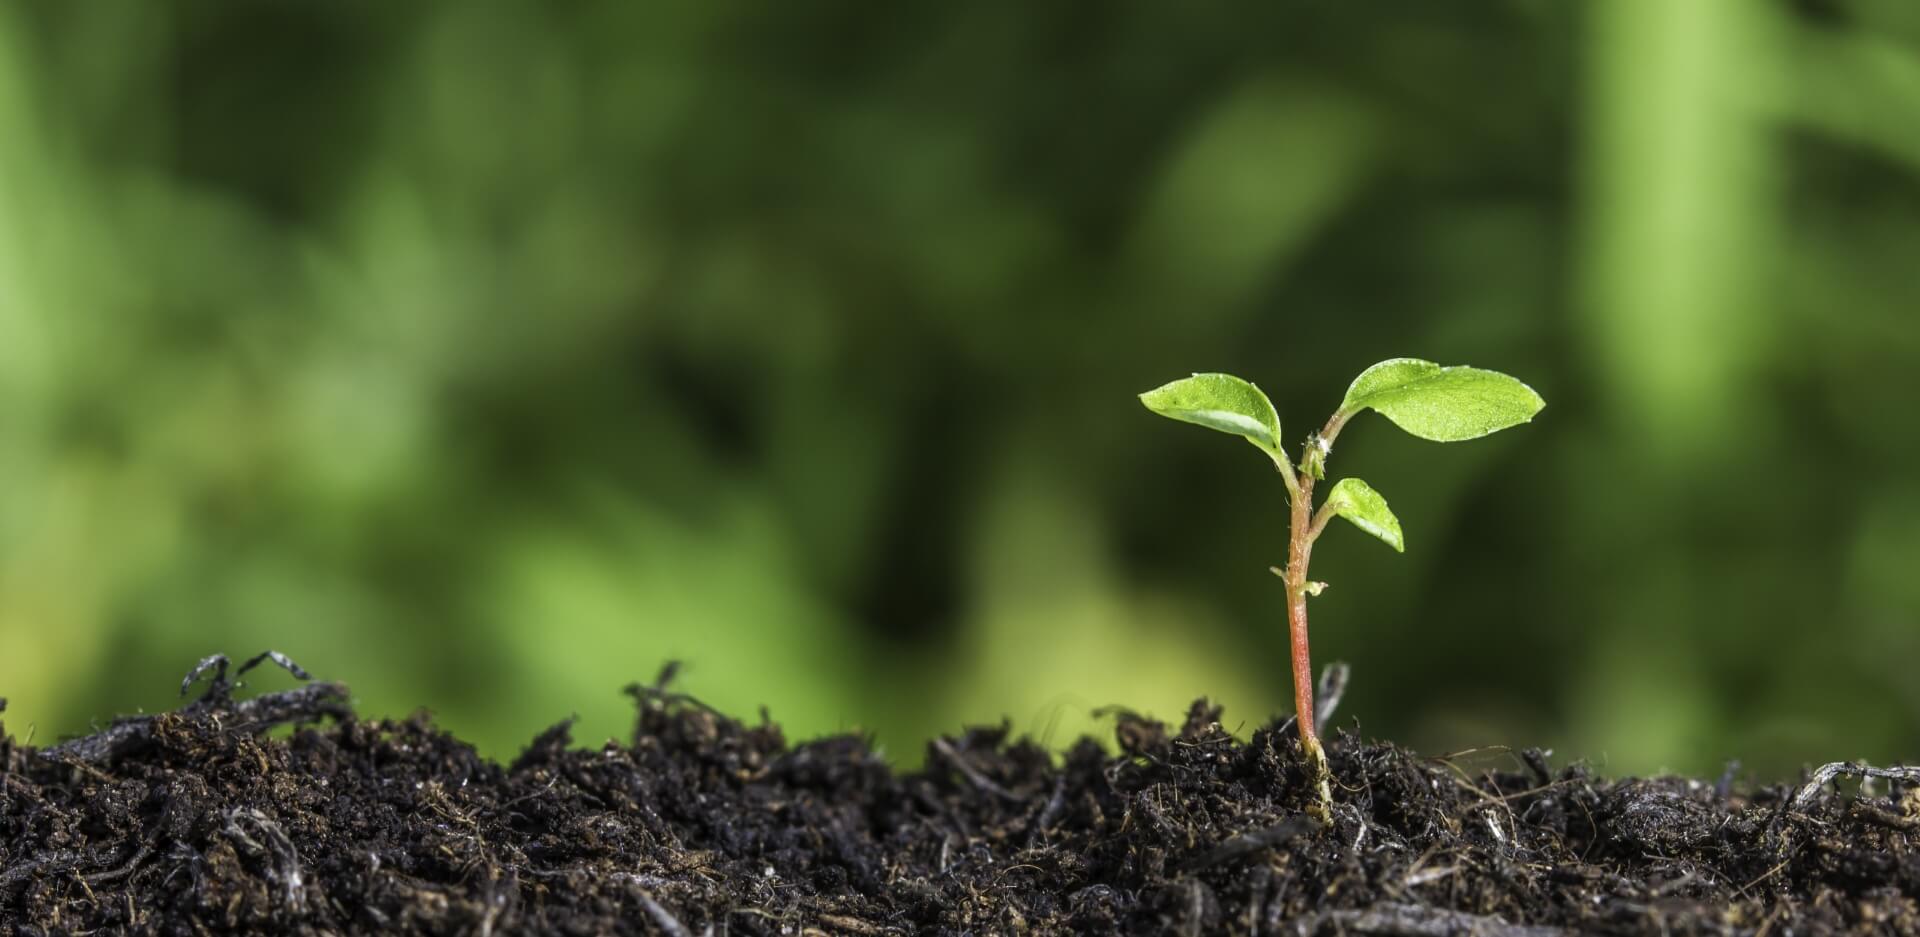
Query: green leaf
1442, 404
1356, 501
1222, 402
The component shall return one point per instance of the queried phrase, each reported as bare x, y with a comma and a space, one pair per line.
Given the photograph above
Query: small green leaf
1222, 402
1442, 404
1356, 501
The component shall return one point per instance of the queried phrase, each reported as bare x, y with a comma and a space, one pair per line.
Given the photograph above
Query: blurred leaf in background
485, 356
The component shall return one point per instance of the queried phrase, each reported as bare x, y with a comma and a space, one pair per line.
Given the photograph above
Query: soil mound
195, 822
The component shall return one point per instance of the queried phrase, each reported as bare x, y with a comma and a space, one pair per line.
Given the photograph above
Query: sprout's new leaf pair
1444, 404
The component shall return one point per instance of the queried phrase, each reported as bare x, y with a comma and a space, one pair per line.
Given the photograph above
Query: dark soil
194, 823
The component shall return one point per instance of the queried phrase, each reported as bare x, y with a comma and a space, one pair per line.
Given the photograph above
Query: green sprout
1444, 404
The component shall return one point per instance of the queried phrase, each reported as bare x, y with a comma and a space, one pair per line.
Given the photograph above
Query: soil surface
197, 822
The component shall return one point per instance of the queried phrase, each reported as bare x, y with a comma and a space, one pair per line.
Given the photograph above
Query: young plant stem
1299, 549
1305, 527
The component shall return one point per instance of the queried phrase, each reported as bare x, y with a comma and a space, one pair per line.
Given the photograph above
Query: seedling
1444, 404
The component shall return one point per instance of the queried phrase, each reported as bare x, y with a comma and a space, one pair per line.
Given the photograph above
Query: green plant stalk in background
1444, 404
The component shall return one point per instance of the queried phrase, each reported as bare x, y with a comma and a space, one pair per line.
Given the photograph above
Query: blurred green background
483, 356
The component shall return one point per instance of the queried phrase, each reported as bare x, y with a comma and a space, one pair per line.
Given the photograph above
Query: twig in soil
1248, 843
220, 689
1827, 773
1333, 686
1414, 920
258, 714
657, 694
301, 704
1050, 812
953, 757
1724, 787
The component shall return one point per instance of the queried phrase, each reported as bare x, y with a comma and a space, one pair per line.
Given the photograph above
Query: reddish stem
1302, 669
1305, 529
1299, 550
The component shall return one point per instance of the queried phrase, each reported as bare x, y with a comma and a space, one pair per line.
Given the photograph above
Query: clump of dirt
195, 822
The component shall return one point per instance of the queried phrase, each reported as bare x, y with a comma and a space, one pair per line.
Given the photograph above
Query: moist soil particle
194, 822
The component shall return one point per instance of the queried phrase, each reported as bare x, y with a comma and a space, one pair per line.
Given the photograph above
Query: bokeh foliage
485, 355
